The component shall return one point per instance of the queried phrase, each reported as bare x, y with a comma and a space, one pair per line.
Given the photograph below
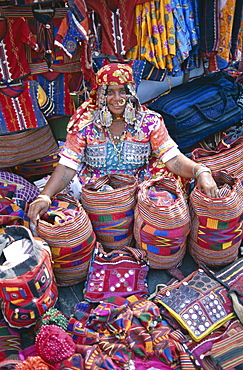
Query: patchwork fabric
10, 343
162, 229
68, 231
217, 230
199, 303
121, 272
111, 212
27, 289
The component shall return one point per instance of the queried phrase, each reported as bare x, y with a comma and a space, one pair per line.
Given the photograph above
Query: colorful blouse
91, 152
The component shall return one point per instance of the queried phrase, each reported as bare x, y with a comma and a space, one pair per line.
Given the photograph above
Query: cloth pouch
111, 211
216, 231
121, 272
27, 284
197, 109
69, 233
162, 229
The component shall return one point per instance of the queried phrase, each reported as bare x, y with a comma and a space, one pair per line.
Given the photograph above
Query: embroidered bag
216, 232
111, 211
121, 272
199, 303
162, 229
194, 110
68, 231
27, 284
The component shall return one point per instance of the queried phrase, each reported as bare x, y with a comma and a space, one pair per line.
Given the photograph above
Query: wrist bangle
201, 170
197, 164
44, 197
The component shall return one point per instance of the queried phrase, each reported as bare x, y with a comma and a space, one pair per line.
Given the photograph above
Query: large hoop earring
129, 113
105, 116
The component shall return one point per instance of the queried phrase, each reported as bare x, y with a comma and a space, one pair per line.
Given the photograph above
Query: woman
111, 132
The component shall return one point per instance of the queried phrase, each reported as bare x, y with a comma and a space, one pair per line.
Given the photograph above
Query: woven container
227, 157
69, 233
111, 212
162, 229
216, 232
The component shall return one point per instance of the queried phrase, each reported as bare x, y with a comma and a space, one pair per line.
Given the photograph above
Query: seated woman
111, 132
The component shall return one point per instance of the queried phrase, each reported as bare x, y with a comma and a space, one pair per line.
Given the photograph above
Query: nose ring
122, 101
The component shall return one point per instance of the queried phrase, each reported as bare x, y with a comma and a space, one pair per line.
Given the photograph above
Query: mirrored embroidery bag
199, 303
121, 272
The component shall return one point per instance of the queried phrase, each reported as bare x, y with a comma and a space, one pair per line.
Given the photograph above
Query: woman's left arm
185, 167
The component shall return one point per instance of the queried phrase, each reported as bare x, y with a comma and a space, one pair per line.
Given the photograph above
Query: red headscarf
110, 74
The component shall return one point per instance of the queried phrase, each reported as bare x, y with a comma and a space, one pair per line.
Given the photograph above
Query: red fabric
118, 39
53, 344
12, 49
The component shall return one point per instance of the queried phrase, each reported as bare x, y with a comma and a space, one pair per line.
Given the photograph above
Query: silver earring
105, 116
129, 113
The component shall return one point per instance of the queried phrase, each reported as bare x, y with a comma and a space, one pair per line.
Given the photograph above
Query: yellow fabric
226, 25
41, 96
154, 28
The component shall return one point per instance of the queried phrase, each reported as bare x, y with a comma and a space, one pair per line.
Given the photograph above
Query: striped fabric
25, 146
162, 229
229, 157
217, 225
38, 167
68, 231
111, 212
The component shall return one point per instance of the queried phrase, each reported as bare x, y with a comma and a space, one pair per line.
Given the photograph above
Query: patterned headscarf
110, 74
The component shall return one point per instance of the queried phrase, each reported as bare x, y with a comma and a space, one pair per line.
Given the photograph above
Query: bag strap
238, 308
224, 98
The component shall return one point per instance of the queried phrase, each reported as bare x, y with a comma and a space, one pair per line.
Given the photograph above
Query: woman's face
116, 99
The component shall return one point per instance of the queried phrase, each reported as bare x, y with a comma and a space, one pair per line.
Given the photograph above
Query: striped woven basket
228, 157
162, 229
216, 232
111, 212
69, 233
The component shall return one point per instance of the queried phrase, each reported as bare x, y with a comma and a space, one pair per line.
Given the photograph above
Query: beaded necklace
121, 140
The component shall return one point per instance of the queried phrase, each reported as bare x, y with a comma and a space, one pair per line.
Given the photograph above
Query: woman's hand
37, 209
206, 184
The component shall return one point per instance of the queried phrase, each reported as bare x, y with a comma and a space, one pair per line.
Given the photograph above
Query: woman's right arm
59, 179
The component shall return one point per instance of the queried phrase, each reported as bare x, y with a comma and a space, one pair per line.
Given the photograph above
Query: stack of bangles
203, 168
42, 197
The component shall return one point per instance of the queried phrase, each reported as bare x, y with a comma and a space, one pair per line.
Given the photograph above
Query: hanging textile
209, 26
25, 106
155, 32
14, 34
117, 19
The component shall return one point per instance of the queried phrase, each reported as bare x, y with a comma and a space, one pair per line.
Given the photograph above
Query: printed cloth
87, 140
160, 46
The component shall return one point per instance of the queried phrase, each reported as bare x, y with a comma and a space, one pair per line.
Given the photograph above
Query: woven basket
216, 232
111, 212
162, 229
68, 231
